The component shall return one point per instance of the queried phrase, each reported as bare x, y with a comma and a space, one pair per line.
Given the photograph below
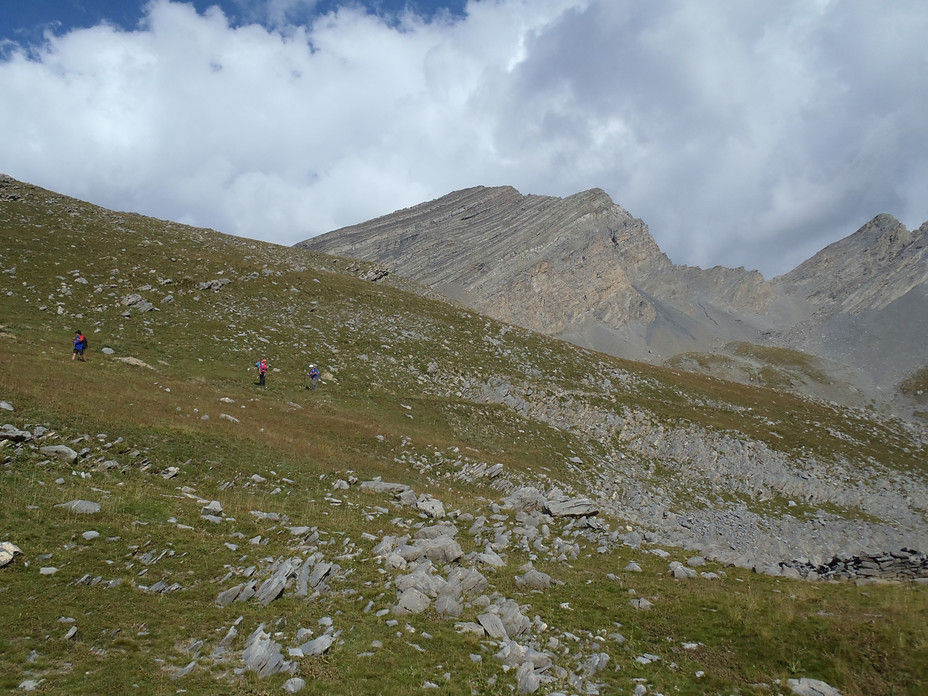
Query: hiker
262, 371
80, 345
313, 375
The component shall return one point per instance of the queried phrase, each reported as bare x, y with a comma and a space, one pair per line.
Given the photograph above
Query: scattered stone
8, 432
83, 507
384, 487
811, 687
411, 601
263, 655
8, 551
294, 685
534, 579
571, 507
60, 452
317, 646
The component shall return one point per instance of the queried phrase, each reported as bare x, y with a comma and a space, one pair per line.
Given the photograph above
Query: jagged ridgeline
848, 325
460, 505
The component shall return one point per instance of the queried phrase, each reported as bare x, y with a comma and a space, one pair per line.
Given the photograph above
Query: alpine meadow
461, 505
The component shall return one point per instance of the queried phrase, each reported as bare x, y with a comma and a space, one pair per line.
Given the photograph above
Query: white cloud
743, 134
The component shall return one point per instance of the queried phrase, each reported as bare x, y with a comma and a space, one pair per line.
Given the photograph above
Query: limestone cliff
583, 269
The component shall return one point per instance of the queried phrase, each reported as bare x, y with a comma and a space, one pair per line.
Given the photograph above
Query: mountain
583, 269
462, 504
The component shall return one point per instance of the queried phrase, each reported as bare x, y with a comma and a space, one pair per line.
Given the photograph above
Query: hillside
583, 269
462, 505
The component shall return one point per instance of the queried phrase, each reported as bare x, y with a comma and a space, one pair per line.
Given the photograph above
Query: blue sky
28, 20
744, 134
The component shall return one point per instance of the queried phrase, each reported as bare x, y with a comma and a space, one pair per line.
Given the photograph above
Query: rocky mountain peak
582, 268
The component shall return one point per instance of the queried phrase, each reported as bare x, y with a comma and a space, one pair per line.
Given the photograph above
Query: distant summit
582, 268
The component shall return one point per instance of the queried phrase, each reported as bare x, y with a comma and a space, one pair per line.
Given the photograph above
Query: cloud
742, 134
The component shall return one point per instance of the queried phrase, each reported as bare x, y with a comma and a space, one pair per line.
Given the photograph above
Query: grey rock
534, 579
384, 487
263, 655
294, 685
448, 605
437, 530
225, 598
525, 498
60, 452
514, 621
527, 680
83, 507
493, 625
430, 506
811, 687
8, 551
184, 671
6, 406
317, 646
571, 507
9, 432
411, 601
641, 603
443, 549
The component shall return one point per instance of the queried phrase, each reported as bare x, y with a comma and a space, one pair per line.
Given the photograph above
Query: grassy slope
375, 343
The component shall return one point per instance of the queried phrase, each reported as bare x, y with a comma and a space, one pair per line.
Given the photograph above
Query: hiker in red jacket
262, 371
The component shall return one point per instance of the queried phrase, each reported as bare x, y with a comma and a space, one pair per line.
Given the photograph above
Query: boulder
317, 646
811, 687
384, 487
411, 601
83, 507
8, 551
571, 507
9, 432
60, 452
534, 580
493, 625
430, 506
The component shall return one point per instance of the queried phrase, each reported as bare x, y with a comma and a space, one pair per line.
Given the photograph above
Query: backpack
83, 342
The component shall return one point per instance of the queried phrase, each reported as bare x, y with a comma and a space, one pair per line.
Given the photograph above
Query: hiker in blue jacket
80, 344
313, 375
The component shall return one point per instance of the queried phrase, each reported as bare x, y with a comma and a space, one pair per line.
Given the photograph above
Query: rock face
583, 269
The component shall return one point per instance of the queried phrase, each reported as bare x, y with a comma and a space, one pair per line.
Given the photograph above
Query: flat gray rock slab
317, 646
83, 507
811, 687
493, 625
384, 487
8, 432
572, 507
60, 452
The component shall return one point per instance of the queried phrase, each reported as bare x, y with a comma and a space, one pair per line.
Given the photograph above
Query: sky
743, 133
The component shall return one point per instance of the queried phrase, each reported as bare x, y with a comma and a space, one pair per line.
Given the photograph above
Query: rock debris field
421, 569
